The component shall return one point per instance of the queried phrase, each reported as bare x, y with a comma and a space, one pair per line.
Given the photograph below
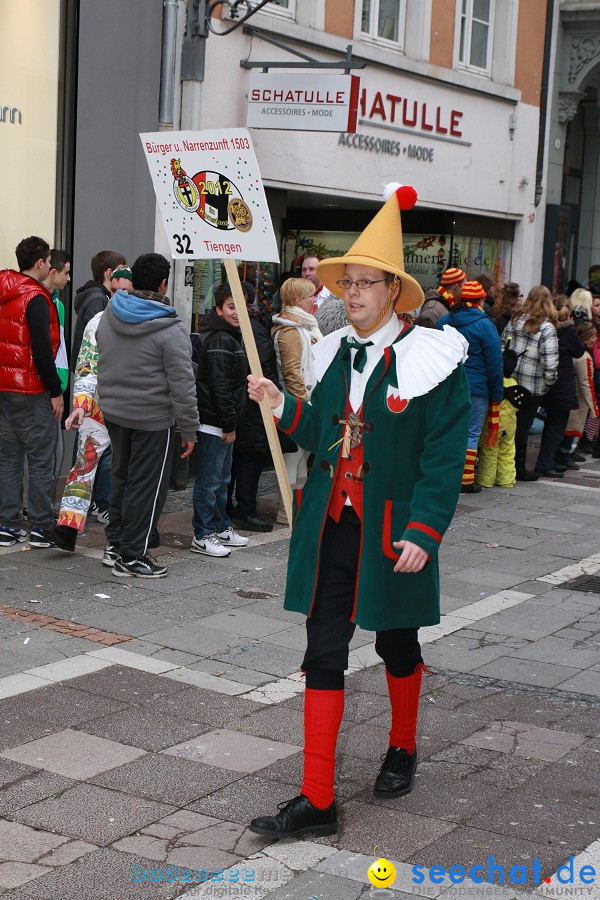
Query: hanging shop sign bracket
346, 64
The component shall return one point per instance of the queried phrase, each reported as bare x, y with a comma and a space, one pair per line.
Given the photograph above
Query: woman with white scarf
294, 332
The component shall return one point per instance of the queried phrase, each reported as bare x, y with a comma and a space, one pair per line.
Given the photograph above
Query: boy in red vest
31, 400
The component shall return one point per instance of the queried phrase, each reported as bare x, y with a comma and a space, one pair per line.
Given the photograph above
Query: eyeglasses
363, 284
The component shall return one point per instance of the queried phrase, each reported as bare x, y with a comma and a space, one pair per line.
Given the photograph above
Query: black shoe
549, 473
140, 568
252, 523
110, 555
568, 462
526, 475
397, 773
560, 467
296, 817
596, 452
38, 540
62, 536
578, 457
585, 445
474, 488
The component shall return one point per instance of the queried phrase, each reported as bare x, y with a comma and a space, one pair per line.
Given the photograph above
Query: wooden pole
235, 284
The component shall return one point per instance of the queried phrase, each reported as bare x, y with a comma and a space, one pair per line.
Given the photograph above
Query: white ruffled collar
424, 357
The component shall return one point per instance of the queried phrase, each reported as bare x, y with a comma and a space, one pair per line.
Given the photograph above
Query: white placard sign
303, 102
210, 194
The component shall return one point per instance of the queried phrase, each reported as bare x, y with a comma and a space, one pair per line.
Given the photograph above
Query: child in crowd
92, 444
497, 463
483, 368
222, 393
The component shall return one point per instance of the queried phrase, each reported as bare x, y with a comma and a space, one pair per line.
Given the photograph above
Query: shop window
476, 33
285, 8
29, 115
383, 20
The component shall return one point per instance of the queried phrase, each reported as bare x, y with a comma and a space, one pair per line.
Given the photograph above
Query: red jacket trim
427, 530
295, 420
386, 534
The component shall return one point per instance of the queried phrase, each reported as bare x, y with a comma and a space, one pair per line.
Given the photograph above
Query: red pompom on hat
405, 194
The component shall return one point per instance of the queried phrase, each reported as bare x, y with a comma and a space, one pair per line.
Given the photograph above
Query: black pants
525, 417
552, 436
245, 476
329, 629
141, 467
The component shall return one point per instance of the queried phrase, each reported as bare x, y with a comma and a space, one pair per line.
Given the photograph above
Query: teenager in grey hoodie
145, 384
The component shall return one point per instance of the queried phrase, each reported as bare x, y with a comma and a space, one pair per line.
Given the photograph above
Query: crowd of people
137, 374
533, 356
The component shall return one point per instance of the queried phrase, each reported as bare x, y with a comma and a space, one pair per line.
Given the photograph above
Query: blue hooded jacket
484, 363
133, 309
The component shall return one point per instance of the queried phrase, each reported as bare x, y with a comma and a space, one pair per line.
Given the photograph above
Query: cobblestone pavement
142, 724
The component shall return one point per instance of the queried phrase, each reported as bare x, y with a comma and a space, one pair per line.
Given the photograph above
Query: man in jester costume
388, 423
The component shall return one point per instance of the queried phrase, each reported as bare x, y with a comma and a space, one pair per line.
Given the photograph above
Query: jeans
101, 494
245, 477
27, 431
479, 408
210, 490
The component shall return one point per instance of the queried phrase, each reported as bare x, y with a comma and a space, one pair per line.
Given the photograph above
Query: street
144, 723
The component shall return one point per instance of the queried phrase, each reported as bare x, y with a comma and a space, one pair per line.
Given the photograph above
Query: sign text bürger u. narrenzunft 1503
303, 102
210, 194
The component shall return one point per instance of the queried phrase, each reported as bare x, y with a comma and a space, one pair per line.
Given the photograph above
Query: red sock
323, 711
404, 697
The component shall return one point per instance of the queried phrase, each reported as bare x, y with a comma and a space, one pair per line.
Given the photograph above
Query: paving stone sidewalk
148, 737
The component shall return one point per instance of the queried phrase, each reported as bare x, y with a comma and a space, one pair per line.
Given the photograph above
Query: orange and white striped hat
452, 276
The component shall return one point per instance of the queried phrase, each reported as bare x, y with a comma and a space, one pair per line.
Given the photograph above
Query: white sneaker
209, 545
231, 538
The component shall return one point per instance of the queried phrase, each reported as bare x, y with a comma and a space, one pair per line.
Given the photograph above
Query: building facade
79, 80
572, 235
449, 102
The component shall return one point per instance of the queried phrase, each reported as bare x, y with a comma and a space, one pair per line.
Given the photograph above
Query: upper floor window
476, 26
383, 20
285, 7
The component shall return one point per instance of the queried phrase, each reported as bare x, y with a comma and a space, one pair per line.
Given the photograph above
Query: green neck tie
360, 357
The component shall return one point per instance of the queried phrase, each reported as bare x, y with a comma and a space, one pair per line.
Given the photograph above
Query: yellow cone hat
380, 246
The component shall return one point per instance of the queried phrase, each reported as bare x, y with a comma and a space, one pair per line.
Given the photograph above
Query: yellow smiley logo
382, 873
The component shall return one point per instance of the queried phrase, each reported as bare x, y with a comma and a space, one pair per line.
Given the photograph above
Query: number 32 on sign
210, 195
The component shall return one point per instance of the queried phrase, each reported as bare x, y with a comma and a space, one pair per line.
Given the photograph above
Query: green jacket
413, 464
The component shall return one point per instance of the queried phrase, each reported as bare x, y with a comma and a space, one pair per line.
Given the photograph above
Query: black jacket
90, 299
221, 384
563, 393
501, 322
251, 437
